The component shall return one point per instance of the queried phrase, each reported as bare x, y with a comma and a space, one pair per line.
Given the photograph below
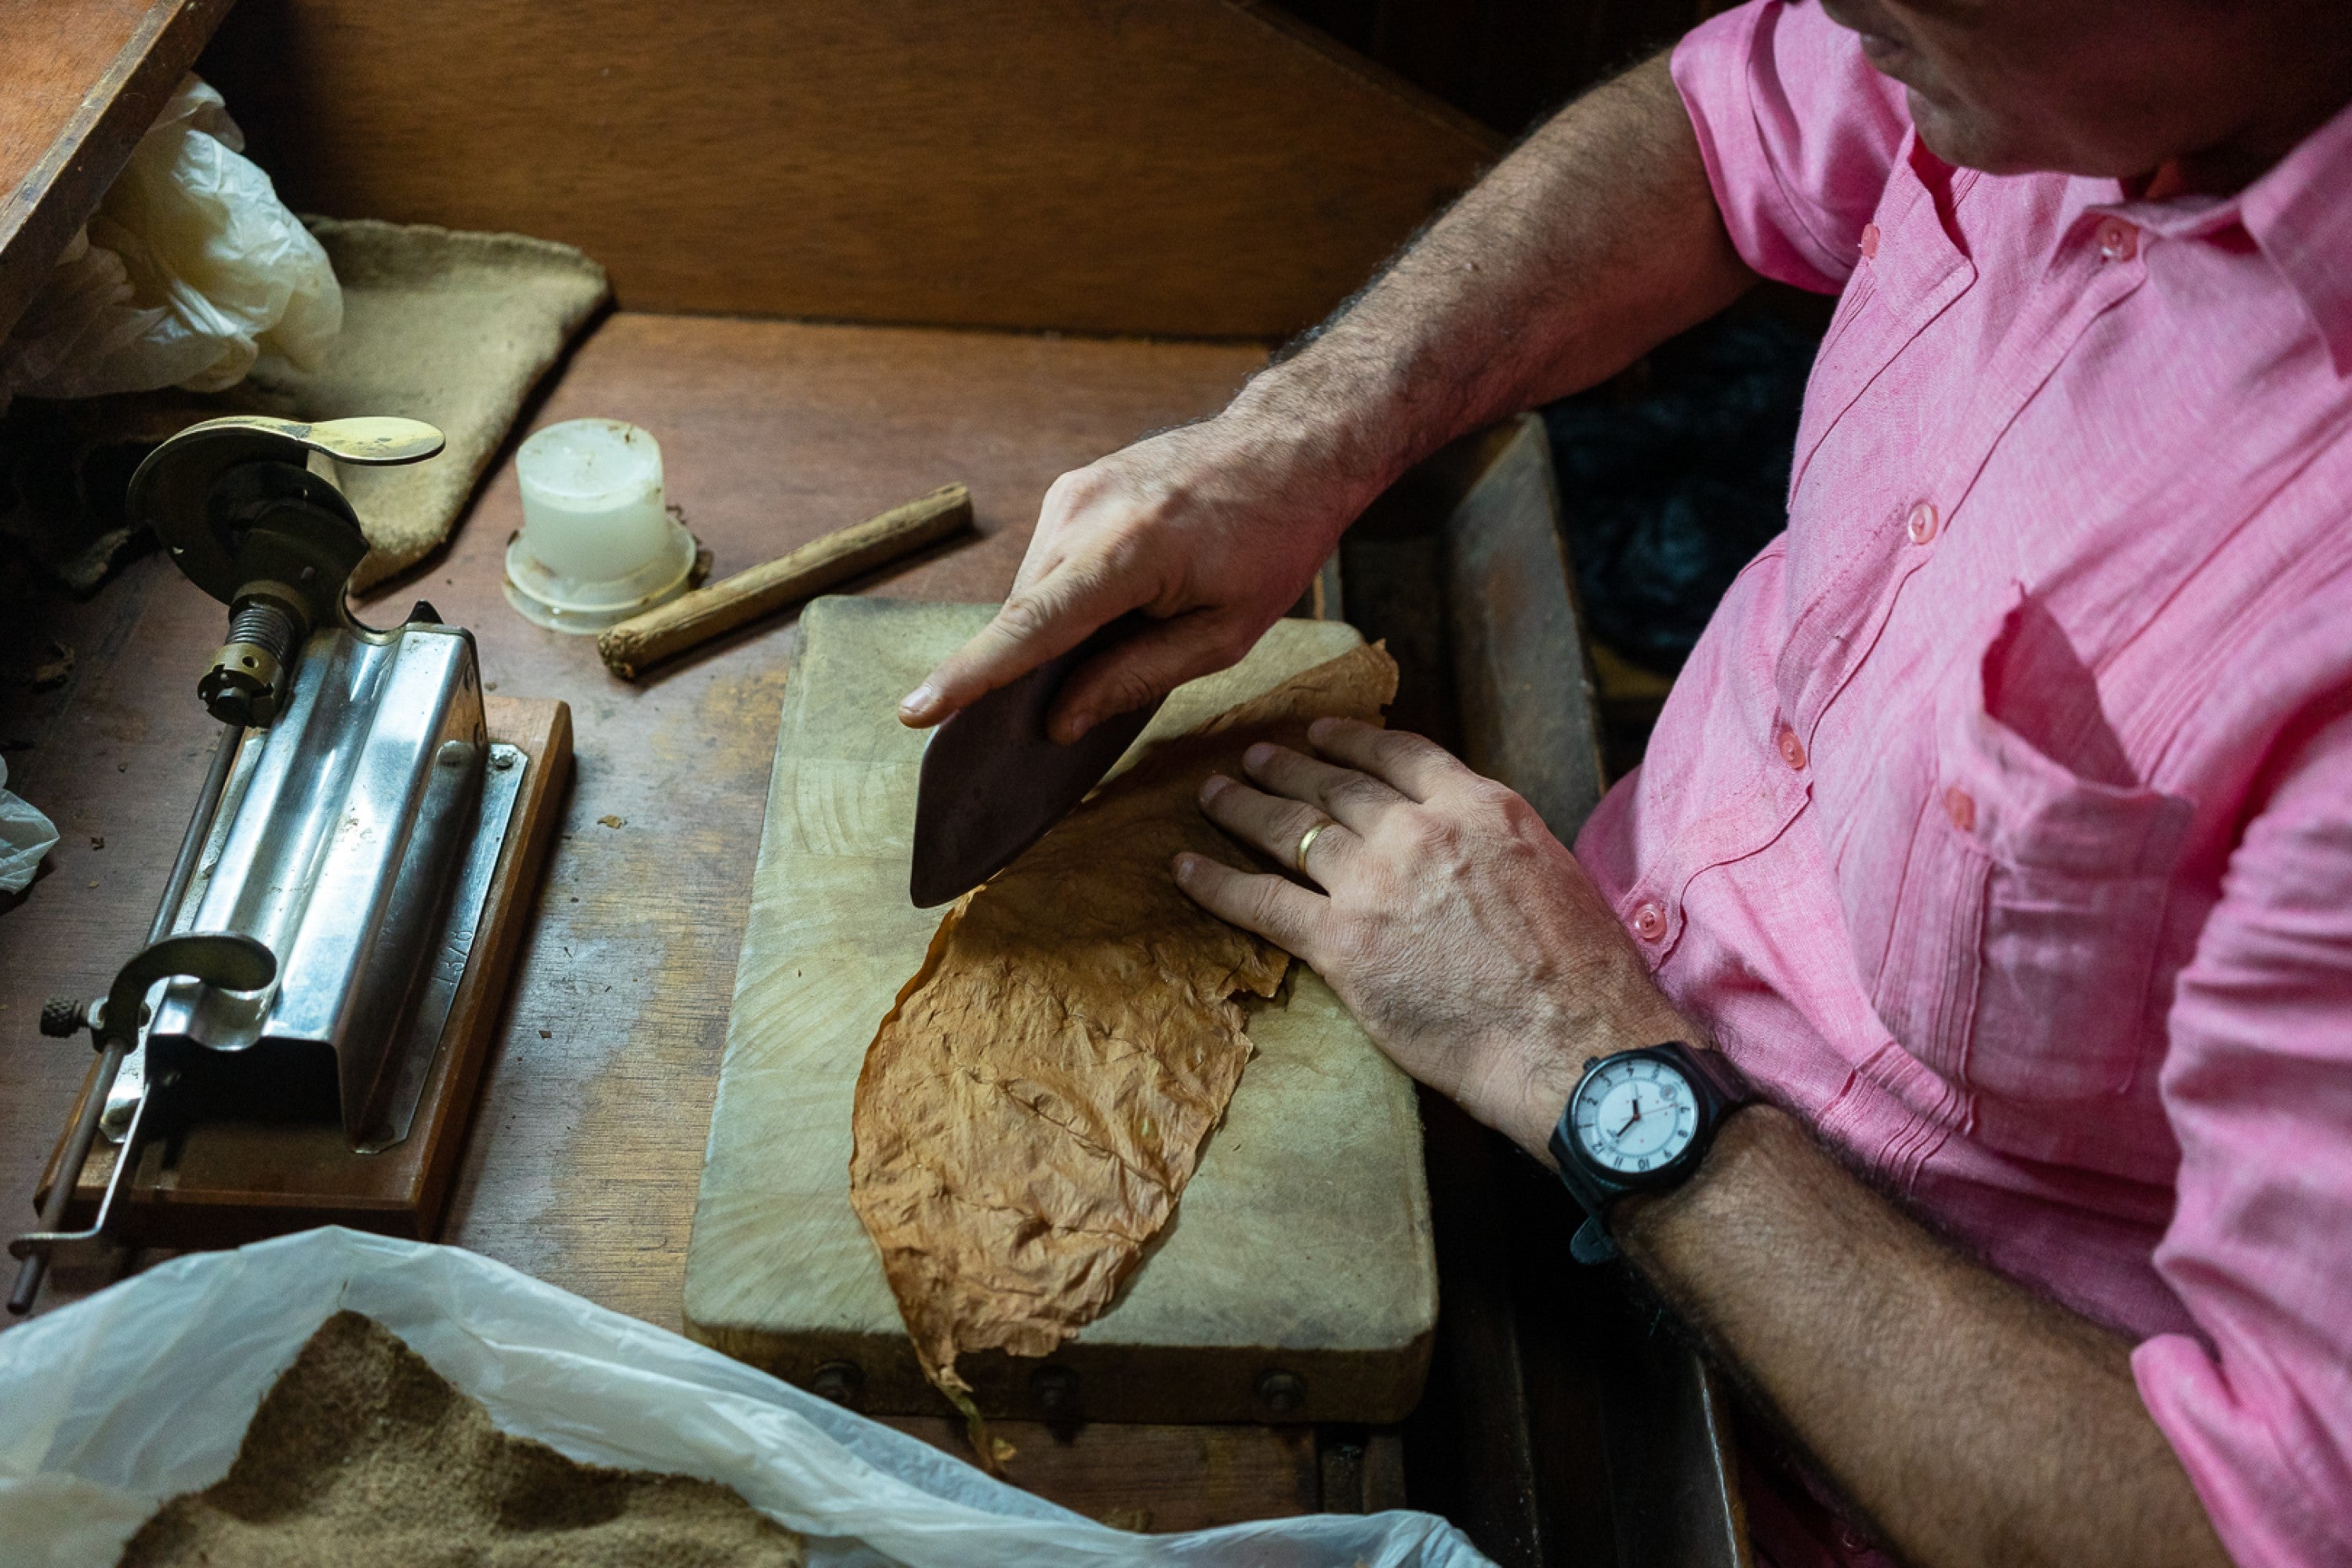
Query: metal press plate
419, 1046
131, 1082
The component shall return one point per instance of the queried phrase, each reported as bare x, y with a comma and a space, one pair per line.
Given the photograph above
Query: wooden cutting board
1296, 1280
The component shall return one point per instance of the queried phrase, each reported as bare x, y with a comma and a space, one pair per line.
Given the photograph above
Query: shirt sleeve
2258, 1083
1799, 134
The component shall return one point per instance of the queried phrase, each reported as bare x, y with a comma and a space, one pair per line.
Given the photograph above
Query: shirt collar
2300, 214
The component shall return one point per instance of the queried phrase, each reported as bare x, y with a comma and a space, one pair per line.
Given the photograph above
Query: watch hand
1631, 1120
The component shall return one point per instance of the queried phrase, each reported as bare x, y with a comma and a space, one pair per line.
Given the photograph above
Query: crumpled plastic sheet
113, 1404
189, 271
25, 835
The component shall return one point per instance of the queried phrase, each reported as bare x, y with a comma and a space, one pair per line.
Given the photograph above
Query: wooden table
583, 1164
1558, 1424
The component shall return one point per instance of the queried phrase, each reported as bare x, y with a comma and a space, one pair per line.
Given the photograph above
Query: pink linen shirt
2001, 823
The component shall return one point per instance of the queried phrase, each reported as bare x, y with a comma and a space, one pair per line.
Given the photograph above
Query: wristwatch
1640, 1121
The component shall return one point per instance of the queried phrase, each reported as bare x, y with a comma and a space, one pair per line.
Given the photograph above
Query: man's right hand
1594, 240
1213, 529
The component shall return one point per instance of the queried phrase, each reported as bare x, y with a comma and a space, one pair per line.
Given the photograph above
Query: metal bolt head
1056, 1389
1281, 1392
839, 1381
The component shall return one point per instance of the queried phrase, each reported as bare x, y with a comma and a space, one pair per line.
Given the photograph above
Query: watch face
1635, 1115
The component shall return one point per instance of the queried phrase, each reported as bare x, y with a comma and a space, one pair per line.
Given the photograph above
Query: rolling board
1296, 1280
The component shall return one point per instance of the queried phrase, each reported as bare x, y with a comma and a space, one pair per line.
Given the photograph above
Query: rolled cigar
692, 619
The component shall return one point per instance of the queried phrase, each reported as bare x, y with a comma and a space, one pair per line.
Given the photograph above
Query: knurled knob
61, 1018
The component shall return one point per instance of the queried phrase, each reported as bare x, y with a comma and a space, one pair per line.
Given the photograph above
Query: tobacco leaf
1032, 1108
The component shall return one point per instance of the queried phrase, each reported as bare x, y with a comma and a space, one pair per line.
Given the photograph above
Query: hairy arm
1971, 1424
1594, 240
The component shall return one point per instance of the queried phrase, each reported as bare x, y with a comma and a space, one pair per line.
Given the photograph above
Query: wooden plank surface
585, 1159
1527, 711
1302, 1243
583, 1162
81, 81
1201, 167
1162, 1478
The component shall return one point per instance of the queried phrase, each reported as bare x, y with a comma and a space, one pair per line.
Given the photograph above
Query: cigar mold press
299, 1039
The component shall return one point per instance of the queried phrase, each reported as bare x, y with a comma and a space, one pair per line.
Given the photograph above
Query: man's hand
1213, 529
1595, 241
1463, 936
1976, 1424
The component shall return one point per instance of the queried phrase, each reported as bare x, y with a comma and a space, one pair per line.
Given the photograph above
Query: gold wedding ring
1306, 840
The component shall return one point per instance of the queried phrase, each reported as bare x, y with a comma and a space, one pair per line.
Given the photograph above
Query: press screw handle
1281, 1392
839, 1381
63, 1017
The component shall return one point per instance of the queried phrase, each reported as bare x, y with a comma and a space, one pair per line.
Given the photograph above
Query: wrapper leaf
1030, 1109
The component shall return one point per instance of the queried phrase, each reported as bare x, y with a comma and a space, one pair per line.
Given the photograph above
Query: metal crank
223, 959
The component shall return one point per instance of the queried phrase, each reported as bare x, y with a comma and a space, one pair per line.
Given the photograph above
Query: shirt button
1922, 523
1649, 921
1961, 807
2118, 241
1870, 239
1793, 750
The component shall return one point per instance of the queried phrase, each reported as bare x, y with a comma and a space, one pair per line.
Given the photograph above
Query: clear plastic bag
25, 835
144, 1390
191, 271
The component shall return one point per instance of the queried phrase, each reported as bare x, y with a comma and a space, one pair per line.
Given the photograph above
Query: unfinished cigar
692, 619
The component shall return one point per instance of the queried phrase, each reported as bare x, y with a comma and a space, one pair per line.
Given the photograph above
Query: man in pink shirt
2000, 828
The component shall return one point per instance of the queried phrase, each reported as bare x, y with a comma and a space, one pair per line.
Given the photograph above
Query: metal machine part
401, 1072
306, 952
338, 857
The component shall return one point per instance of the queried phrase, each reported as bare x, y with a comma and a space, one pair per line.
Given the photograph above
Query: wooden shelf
85, 80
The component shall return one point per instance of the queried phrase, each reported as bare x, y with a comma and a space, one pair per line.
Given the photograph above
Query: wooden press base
227, 1182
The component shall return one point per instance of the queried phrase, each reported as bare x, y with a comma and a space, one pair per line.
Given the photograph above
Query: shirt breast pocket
2032, 913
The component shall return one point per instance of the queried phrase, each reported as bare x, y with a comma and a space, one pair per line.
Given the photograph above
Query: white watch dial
1635, 1116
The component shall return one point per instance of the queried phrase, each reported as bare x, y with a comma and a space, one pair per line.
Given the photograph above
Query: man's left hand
1465, 938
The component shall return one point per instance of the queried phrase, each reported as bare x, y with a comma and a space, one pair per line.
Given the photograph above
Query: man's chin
1968, 140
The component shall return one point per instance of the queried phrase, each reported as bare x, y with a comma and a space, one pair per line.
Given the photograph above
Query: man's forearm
1595, 241
1971, 1422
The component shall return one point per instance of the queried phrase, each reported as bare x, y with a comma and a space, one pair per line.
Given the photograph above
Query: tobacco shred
363, 1457
1030, 1109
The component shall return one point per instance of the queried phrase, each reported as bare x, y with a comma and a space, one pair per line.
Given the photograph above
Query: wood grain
1156, 1477
689, 621
585, 1151
589, 1144
1198, 167
1528, 716
223, 1183
84, 81
1300, 1245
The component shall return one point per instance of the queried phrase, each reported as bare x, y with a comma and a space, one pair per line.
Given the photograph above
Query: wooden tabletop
586, 1154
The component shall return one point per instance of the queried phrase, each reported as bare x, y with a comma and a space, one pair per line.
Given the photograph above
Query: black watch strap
1719, 1088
